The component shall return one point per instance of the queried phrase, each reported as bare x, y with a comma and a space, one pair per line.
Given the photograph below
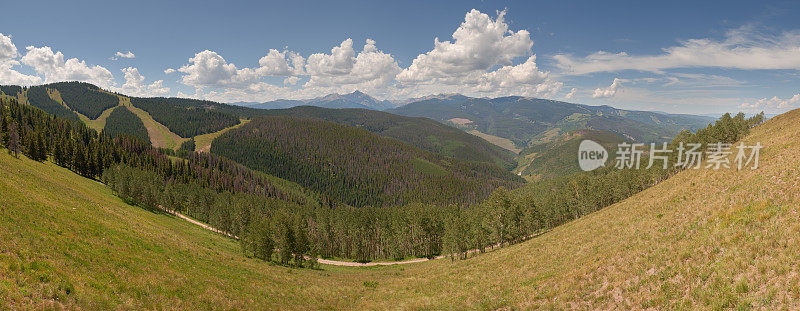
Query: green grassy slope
67, 241
701, 239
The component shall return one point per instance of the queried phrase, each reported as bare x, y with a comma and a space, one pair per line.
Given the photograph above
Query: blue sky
679, 56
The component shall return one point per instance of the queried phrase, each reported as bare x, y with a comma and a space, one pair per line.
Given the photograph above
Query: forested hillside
559, 157
71, 144
11, 90
123, 121
264, 210
38, 97
355, 166
528, 121
85, 98
422, 133
182, 119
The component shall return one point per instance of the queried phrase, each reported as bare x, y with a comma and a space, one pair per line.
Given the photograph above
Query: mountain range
515, 122
526, 121
356, 99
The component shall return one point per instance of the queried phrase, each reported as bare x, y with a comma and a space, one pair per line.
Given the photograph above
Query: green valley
86, 253
395, 155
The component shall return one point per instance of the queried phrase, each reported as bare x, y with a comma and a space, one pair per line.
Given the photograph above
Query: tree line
37, 96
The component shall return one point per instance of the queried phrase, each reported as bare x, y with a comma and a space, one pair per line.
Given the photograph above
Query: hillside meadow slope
66, 241
701, 239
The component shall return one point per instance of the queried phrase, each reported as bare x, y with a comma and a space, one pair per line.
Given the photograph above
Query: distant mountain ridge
356, 99
529, 121
524, 121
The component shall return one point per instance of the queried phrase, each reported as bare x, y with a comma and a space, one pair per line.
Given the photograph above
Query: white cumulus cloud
339, 62
467, 63
8, 60
55, 67
370, 69
291, 80
774, 103
8, 50
571, 93
209, 69
284, 63
135, 84
608, 91
120, 54
478, 44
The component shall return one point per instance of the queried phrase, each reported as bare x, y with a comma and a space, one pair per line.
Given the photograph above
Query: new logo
591, 155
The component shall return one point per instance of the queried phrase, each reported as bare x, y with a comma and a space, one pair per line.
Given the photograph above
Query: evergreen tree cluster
186, 148
38, 97
11, 90
357, 167
296, 231
123, 121
85, 98
186, 121
423, 133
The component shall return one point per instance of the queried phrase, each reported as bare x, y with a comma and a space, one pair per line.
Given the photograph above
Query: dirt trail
347, 263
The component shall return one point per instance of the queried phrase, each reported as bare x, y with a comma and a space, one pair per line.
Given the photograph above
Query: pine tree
58, 156
79, 159
257, 240
13, 140
32, 146
43, 149
286, 241
3, 125
301, 246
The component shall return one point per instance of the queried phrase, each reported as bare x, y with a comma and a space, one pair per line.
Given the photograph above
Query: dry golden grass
501, 142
